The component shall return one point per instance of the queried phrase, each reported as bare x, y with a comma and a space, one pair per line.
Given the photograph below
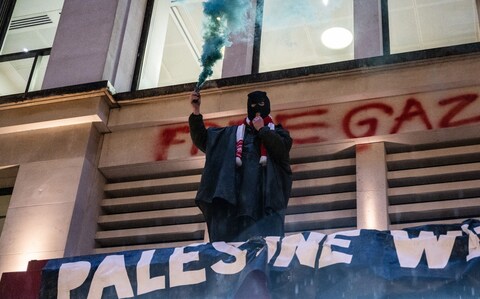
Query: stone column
238, 57
57, 191
372, 200
54, 203
96, 41
367, 18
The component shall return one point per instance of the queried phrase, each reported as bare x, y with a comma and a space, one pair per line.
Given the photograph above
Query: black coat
242, 202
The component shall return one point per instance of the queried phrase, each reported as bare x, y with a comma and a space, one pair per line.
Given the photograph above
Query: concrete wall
327, 103
95, 41
64, 145
54, 205
365, 107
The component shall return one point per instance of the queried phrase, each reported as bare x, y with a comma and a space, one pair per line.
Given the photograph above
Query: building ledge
103, 88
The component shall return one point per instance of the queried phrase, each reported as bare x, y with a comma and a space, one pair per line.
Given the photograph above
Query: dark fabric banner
431, 261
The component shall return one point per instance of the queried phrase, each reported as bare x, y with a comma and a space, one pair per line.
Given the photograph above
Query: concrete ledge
321, 220
58, 107
435, 210
149, 202
156, 234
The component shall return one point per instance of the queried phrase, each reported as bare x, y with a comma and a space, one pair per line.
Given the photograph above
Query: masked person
246, 199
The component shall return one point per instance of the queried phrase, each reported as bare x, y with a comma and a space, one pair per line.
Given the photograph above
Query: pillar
96, 41
367, 18
238, 58
372, 200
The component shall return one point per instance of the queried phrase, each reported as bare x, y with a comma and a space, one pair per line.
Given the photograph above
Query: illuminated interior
292, 34
33, 26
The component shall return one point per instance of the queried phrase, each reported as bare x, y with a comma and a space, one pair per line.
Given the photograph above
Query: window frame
6, 12
35, 54
255, 76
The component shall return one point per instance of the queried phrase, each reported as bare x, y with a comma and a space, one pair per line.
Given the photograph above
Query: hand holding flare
195, 100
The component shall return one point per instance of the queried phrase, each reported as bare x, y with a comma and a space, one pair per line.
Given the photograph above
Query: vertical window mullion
32, 72
368, 35
142, 44
385, 27
257, 36
477, 2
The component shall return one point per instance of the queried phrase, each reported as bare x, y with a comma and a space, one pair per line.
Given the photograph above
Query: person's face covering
258, 102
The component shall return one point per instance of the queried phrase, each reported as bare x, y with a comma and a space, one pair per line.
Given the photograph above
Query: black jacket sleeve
198, 132
277, 142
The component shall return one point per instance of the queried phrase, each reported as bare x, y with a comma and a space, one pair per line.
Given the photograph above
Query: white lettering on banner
437, 251
306, 250
272, 244
329, 256
473, 241
146, 283
111, 272
71, 276
230, 268
287, 250
178, 276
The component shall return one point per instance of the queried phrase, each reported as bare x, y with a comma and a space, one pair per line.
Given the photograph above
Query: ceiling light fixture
325, 2
25, 50
337, 38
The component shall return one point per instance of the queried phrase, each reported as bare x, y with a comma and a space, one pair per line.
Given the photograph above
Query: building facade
95, 153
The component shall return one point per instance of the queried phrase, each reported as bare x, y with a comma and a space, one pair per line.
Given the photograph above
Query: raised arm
198, 132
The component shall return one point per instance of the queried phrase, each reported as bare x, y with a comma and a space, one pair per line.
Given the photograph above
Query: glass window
32, 26
174, 45
7, 181
39, 73
5, 195
304, 33
15, 74
308, 32
424, 24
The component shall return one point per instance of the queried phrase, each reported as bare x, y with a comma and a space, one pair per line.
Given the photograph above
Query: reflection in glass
14, 76
32, 26
425, 24
174, 45
292, 32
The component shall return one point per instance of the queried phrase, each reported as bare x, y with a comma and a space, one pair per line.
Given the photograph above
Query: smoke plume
222, 18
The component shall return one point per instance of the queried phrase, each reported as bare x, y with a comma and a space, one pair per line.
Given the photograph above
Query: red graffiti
462, 102
362, 147
236, 122
371, 122
412, 109
285, 118
362, 121
170, 136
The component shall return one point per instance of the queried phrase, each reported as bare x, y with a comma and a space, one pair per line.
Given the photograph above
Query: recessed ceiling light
325, 2
25, 50
337, 38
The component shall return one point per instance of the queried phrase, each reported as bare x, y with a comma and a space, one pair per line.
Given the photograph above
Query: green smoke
222, 18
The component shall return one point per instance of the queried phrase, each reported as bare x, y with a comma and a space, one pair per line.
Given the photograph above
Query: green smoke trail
222, 18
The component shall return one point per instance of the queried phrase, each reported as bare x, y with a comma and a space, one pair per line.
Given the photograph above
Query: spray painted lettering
346, 120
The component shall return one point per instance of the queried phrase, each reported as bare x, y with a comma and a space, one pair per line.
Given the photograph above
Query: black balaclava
255, 98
